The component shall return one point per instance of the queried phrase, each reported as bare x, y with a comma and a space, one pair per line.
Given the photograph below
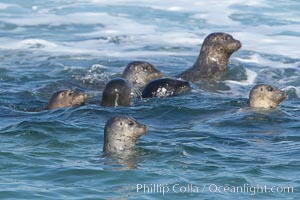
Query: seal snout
83, 96
79, 97
234, 45
284, 94
155, 75
158, 74
184, 86
144, 127
238, 44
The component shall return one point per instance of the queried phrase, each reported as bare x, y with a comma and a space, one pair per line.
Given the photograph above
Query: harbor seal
121, 133
165, 87
66, 98
266, 96
212, 61
139, 73
117, 92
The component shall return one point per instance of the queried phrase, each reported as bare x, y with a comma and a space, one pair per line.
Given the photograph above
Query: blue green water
201, 145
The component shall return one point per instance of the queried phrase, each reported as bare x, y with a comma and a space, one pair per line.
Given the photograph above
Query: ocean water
206, 144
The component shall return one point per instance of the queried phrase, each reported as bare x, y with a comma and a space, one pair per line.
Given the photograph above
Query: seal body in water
212, 61
121, 133
117, 92
266, 96
165, 87
139, 73
66, 98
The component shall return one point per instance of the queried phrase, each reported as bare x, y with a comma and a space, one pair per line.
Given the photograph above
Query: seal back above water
66, 98
121, 133
266, 96
212, 61
165, 87
117, 92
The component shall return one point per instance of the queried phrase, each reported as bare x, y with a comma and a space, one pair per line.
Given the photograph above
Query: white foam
251, 76
4, 6
264, 62
90, 47
135, 33
237, 88
34, 7
213, 11
297, 89
35, 19
259, 40
37, 42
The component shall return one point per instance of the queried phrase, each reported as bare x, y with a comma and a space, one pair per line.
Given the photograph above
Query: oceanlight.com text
210, 188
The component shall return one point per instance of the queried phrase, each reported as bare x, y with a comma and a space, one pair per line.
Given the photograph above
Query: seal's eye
227, 37
270, 89
220, 49
121, 123
70, 93
130, 123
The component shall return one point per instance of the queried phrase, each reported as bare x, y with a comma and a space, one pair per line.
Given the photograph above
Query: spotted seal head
139, 73
212, 61
266, 96
117, 92
121, 133
66, 98
165, 87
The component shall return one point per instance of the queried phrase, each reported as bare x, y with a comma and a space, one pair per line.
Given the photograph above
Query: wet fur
212, 61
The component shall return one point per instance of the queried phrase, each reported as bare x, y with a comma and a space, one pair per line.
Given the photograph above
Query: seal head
121, 133
139, 73
117, 92
165, 87
212, 61
266, 96
66, 98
